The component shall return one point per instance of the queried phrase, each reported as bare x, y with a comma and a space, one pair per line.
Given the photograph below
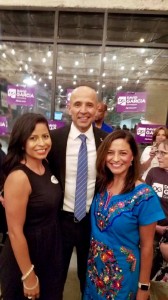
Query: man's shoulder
60, 131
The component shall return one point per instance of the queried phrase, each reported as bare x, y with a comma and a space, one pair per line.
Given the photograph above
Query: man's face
82, 108
100, 112
162, 156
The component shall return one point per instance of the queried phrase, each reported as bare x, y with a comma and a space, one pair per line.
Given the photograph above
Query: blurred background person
148, 158
157, 177
99, 118
123, 215
30, 261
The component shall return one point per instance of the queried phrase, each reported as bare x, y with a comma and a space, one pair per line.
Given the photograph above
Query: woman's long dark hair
104, 175
22, 130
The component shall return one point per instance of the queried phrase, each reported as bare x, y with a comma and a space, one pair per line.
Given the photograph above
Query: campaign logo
122, 100
158, 188
141, 131
12, 93
165, 192
52, 126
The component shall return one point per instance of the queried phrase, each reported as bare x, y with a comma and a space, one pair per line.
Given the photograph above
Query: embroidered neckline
108, 208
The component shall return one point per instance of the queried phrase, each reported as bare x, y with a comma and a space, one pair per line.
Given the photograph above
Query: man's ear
69, 109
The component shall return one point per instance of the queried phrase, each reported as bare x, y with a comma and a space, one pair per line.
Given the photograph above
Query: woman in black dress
30, 263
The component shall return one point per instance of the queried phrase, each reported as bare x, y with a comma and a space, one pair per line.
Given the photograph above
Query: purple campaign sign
131, 102
53, 124
19, 95
3, 126
144, 132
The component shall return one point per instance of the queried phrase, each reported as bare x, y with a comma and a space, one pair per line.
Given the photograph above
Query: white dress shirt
72, 150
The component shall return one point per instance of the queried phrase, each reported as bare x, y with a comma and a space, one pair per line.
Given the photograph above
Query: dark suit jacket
57, 155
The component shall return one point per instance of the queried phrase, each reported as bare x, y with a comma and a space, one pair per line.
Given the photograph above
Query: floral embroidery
115, 209
130, 257
108, 281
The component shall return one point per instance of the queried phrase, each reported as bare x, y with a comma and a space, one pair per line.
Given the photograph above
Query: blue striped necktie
81, 181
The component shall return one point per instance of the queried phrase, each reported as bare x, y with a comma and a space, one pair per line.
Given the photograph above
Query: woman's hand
31, 287
161, 229
164, 250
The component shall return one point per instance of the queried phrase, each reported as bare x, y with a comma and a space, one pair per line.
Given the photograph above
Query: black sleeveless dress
42, 231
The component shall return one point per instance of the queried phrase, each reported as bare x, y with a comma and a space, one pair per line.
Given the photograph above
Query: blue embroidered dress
114, 255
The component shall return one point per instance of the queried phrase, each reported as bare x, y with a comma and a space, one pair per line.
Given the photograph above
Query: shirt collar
75, 132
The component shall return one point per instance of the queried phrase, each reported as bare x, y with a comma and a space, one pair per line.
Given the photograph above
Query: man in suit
63, 159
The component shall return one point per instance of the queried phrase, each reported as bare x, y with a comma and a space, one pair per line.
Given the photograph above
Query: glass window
131, 70
78, 25
25, 70
133, 28
77, 65
27, 24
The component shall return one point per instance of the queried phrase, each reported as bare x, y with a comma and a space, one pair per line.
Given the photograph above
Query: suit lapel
99, 136
63, 146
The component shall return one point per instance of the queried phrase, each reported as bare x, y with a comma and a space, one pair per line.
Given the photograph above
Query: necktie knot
82, 137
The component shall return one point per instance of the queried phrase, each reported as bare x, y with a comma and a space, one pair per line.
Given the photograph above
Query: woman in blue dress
123, 216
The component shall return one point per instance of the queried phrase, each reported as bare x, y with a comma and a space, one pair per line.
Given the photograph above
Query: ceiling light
104, 74
60, 68
143, 50
50, 77
125, 79
91, 70
122, 67
98, 83
137, 81
13, 51
76, 63
29, 81
119, 87
114, 57
20, 69
149, 61
4, 55
75, 76
43, 59
59, 87
50, 72
132, 68
103, 86
104, 58
45, 84
40, 79
49, 53
146, 72
26, 67
142, 40
29, 58
74, 82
